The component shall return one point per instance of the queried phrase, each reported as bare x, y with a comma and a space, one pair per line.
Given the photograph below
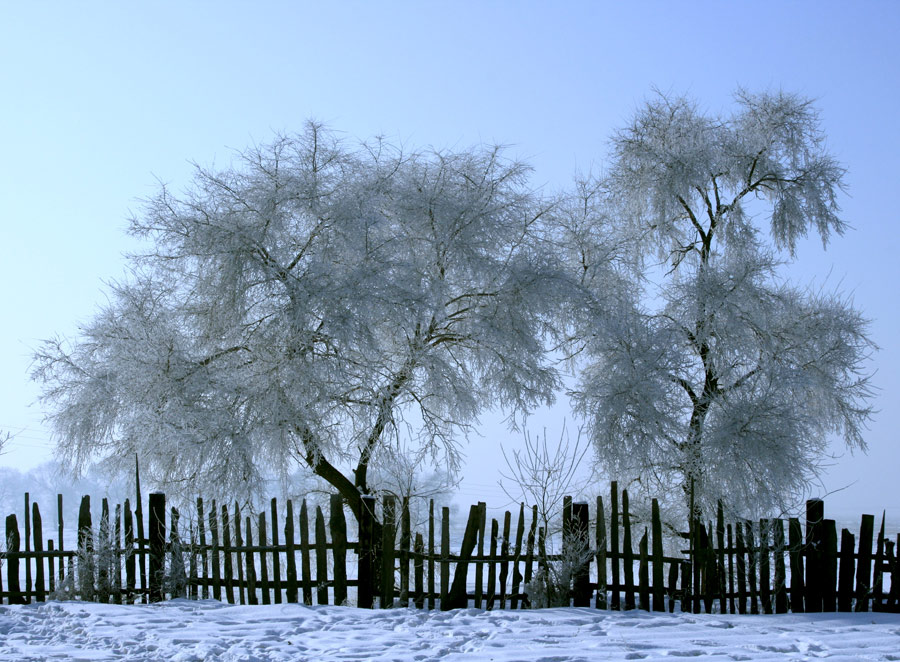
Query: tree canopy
313, 304
720, 379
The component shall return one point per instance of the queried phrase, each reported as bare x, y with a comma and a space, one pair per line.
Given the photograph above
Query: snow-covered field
188, 631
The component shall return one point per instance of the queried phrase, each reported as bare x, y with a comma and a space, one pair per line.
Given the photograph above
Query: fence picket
305, 564
321, 559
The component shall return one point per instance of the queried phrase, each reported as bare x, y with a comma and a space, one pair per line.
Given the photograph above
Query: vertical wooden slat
529, 548
492, 566
85, 550
178, 575
305, 569
264, 584
51, 583
479, 565
707, 567
781, 598
117, 556
581, 580
815, 513
542, 558
37, 532
139, 518
445, 556
895, 576
656, 530
156, 530
404, 552
419, 572
796, 557
12, 561
643, 574
239, 543
627, 553
103, 560
431, 582
338, 526
28, 579
193, 576
251, 564
845, 579
504, 557
214, 552
765, 578
226, 552
672, 590
458, 596
276, 557
729, 530
321, 559
601, 540
204, 553
741, 568
878, 573
388, 538
829, 565
291, 558
614, 601
366, 554
864, 562
686, 597
720, 558
59, 539
753, 555
517, 554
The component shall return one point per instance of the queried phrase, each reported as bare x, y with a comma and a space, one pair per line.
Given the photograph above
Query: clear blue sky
101, 99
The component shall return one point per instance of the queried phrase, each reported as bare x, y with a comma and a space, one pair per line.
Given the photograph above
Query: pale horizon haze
102, 101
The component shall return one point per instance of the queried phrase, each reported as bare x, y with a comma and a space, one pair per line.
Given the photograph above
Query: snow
191, 631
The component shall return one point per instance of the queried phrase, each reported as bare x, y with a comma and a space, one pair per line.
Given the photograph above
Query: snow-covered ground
188, 631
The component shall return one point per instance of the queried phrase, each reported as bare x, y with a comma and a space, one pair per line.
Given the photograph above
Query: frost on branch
720, 380
309, 305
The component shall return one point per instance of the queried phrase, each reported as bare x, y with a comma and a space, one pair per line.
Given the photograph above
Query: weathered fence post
291, 592
815, 514
388, 535
38, 548
458, 596
656, 531
157, 538
845, 579
615, 599
829, 565
12, 561
338, 526
366, 554
28, 582
601, 555
864, 563
85, 550
581, 592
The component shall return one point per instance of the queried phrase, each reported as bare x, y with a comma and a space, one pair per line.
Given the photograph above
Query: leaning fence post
157, 537
366, 554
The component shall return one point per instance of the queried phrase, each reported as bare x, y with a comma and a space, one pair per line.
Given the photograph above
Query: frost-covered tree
312, 304
723, 381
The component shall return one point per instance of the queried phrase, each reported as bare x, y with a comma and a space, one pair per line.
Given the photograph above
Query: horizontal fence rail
305, 556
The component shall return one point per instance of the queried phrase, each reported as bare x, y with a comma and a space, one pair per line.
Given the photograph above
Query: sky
102, 101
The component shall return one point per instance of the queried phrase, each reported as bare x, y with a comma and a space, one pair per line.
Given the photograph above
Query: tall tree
722, 381
315, 304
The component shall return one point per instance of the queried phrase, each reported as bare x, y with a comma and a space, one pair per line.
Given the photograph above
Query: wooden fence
737, 567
